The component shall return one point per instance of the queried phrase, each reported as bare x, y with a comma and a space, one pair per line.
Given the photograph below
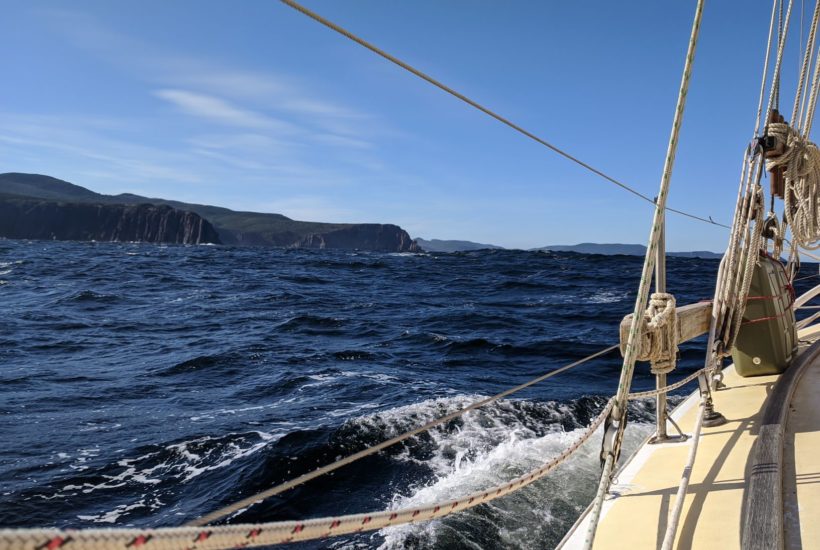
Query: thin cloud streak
90, 149
219, 110
228, 95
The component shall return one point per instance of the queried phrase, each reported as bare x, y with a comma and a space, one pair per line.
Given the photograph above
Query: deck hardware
711, 417
664, 437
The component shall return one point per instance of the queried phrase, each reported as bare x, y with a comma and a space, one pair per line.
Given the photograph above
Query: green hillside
250, 228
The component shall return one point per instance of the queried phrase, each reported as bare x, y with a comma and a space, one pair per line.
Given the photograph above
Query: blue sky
252, 106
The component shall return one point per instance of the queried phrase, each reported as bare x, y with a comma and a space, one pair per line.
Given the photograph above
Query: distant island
34, 206
608, 249
624, 249
438, 245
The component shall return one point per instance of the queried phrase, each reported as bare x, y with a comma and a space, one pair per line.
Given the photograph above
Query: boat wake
482, 448
495, 446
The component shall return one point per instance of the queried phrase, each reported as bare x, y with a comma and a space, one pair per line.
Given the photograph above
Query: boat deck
643, 494
801, 464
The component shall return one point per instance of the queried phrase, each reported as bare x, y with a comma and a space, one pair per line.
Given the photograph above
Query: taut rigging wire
329, 24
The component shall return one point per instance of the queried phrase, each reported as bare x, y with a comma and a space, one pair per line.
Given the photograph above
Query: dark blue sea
145, 385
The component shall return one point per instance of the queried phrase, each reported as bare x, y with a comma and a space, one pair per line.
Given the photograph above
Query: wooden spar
778, 180
693, 320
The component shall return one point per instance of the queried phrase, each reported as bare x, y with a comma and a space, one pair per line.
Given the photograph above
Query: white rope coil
658, 341
801, 162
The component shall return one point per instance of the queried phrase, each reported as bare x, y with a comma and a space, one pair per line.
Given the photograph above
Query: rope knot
658, 341
791, 150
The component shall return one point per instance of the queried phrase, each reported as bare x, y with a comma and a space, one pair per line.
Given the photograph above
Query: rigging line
680, 497
800, 48
763, 80
797, 114
779, 40
329, 24
783, 33
613, 436
282, 487
802, 250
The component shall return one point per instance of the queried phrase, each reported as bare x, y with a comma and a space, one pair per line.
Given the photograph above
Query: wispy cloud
89, 145
263, 99
218, 110
343, 141
268, 89
97, 155
228, 131
234, 95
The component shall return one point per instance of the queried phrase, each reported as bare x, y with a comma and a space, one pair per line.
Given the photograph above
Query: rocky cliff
27, 218
231, 227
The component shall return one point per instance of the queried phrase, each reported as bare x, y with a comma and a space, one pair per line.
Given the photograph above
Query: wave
323, 351
90, 296
494, 447
478, 449
157, 473
222, 364
305, 279
468, 351
357, 355
312, 324
354, 264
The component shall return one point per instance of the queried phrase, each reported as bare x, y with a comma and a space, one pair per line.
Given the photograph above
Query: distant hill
625, 249
438, 245
233, 227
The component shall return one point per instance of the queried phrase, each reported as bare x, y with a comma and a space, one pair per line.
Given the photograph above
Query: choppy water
147, 385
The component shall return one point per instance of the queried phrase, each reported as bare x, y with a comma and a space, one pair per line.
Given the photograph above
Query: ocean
146, 385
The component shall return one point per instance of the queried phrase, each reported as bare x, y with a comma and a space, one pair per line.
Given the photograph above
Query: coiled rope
745, 240
658, 342
801, 160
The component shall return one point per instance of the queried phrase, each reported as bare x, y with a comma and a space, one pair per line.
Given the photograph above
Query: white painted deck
635, 514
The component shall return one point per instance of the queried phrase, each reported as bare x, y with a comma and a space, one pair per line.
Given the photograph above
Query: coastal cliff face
51, 220
57, 209
365, 236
